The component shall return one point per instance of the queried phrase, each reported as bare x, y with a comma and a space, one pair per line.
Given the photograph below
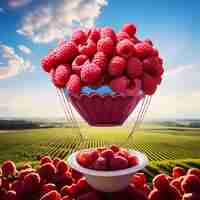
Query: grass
157, 141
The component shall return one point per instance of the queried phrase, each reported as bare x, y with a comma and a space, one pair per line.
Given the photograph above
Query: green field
157, 141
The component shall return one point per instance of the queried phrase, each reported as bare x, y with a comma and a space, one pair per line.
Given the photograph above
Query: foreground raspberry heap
107, 158
101, 56
54, 180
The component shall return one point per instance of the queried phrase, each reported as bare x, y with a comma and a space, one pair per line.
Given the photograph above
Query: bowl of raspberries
108, 169
105, 73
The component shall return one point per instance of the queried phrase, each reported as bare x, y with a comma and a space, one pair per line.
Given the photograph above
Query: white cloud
24, 49
18, 3
12, 63
51, 22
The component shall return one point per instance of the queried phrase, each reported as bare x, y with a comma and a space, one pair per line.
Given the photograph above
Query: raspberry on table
116, 66
90, 73
74, 84
134, 67
89, 48
120, 84
78, 63
125, 48
79, 37
129, 28
106, 45
101, 60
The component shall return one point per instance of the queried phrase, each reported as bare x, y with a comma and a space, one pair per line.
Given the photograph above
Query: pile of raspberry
107, 158
102, 57
53, 179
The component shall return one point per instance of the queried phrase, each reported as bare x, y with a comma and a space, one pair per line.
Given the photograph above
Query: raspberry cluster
100, 56
53, 179
107, 158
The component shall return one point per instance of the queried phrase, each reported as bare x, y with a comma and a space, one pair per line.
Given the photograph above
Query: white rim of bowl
143, 161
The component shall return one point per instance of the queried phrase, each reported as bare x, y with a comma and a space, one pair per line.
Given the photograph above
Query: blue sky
28, 28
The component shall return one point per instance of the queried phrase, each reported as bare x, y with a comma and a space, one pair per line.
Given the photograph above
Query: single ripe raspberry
106, 45
122, 35
61, 75
190, 183
134, 67
100, 163
10, 195
116, 66
139, 180
84, 158
90, 73
194, 171
132, 160
47, 171
82, 184
143, 50
62, 166
24, 172
108, 154
8, 168
94, 35
125, 48
178, 171
149, 84
47, 188
101, 60
89, 48
31, 182
108, 32
45, 159
78, 62
160, 182
79, 37
49, 62
66, 53
74, 84
129, 28
120, 84
52, 195
118, 162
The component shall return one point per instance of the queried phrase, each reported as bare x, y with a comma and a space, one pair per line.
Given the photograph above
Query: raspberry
45, 159
125, 48
178, 171
88, 196
74, 84
47, 171
149, 84
90, 73
55, 161
82, 184
129, 28
160, 182
52, 195
10, 195
70, 190
78, 62
119, 84
61, 75
118, 162
66, 52
122, 35
114, 148
24, 172
139, 180
88, 49
49, 62
132, 160
101, 60
8, 168
94, 35
62, 179
108, 32
116, 66
191, 196
47, 188
106, 45
84, 158
190, 183
100, 163
94, 154
177, 184
143, 50
134, 67
62, 166
108, 154
79, 37
31, 182
194, 171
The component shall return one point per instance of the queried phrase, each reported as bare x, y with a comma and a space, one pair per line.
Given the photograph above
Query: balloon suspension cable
140, 116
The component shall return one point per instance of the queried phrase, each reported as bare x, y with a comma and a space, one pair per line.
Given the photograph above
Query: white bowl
109, 181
